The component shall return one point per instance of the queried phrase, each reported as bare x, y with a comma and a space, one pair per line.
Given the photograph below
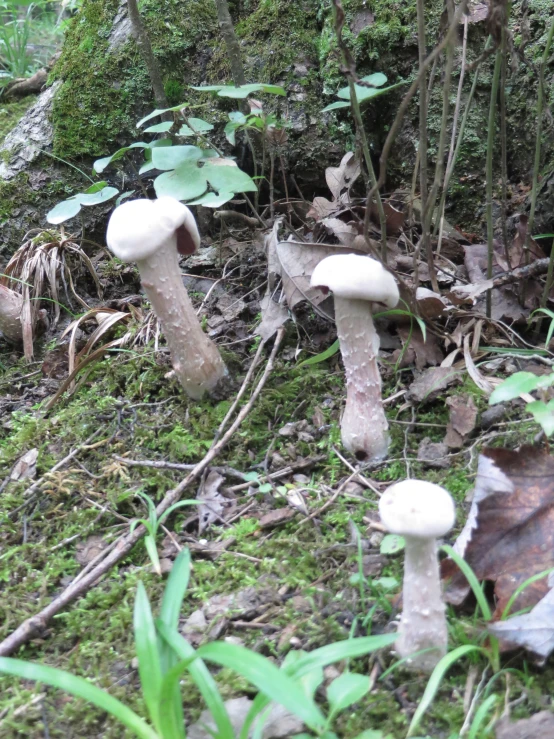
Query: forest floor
278, 565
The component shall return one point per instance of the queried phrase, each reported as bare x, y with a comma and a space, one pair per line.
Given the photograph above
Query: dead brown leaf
433, 454
25, 468
342, 177
539, 726
429, 384
424, 351
534, 631
89, 549
212, 501
463, 418
277, 517
509, 534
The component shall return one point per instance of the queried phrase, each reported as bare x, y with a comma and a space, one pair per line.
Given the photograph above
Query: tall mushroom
152, 233
421, 512
357, 282
11, 306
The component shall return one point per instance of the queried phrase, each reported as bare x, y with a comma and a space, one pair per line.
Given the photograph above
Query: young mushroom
357, 282
153, 233
421, 512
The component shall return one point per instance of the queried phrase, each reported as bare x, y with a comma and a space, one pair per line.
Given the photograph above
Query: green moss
10, 113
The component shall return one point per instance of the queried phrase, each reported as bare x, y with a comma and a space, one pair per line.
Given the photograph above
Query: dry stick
161, 465
124, 544
489, 171
407, 100
423, 184
349, 68
450, 167
504, 146
143, 42
439, 166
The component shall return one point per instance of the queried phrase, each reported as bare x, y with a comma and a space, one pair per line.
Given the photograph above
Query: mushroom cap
356, 277
137, 228
417, 508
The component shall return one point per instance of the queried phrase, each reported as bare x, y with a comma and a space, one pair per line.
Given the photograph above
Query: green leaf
202, 679
550, 314
170, 157
96, 187
237, 117
309, 682
196, 126
162, 127
230, 91
435, 680
184, 183
101, 164
543, 413
373, 734
266, 487
230, 131
518, 383
347, 689
386, 583
271, 681
378, 79
481, 717
80, 688
152, 550
213, 200
335, 106
63, 211
227, 178
146, 643
159, 111
323, 356
95, 198
392, 544
347, 649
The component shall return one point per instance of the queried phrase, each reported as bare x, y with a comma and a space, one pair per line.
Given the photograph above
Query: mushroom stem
195, 358
11, 306
363, 425
423, 621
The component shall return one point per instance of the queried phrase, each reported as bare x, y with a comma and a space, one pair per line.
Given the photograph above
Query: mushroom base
363, 425
423, 622
195, 358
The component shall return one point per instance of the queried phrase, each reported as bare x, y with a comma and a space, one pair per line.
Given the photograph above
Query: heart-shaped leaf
63, 211
186, 182
171, 157
224, 175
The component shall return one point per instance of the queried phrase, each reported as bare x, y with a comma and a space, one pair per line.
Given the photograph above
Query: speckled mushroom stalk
357, 282
11, 305
153, 233
420, 512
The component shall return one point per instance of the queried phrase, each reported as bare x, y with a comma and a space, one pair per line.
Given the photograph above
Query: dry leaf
423, 351
274, 315
539, 726
212, 501
277, 517
509, 534
321, 208
278, 723
89, 549
429, 384
342, 177
534, 631
25, 467
463, 417
344, 232
433, 454
430, 304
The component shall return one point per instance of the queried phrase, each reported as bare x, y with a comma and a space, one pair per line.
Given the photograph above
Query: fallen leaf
321, 208
87, 550
539, 726
25, 467
342, 177
344, 232
212, 501
430, 304
230, 307
463, 418
274, 315
425, 351
509, 533
276, 518
433, 454
429, 384
533, 631
279, 723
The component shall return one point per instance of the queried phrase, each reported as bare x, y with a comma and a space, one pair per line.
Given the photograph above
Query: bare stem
145, 47
489, 171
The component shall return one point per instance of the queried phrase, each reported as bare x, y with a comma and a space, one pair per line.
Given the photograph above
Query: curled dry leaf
463, 418
26, 466
430, 383
212, 501
342, 177
509, 534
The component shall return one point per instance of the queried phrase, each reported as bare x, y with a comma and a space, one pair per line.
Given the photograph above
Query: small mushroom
152, 233
357, 282
11, 306
421, 512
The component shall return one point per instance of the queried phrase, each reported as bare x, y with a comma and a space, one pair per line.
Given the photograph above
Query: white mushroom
11, 306
356, 283
152, 233
421, 512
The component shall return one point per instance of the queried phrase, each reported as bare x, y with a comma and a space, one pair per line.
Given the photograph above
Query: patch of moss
10, 113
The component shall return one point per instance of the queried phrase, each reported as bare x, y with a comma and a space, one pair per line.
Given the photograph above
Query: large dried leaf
463, 417
430, 383
534, 631
509, 534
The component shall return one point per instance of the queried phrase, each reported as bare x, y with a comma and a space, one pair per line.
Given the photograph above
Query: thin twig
123, 545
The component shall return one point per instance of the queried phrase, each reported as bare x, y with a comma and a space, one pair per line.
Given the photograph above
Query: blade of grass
150, 670
80, 688
472, 580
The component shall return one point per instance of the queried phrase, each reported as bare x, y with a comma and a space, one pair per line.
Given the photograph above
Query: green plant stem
504, 145
489, 170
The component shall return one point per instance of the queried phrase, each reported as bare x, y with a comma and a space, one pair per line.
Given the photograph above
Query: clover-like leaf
185, 182
171, 157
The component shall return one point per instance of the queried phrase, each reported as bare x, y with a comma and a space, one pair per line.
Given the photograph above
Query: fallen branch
161, 465
471, 291
35, 624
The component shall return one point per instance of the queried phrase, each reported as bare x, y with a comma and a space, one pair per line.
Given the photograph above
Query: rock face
100, 88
